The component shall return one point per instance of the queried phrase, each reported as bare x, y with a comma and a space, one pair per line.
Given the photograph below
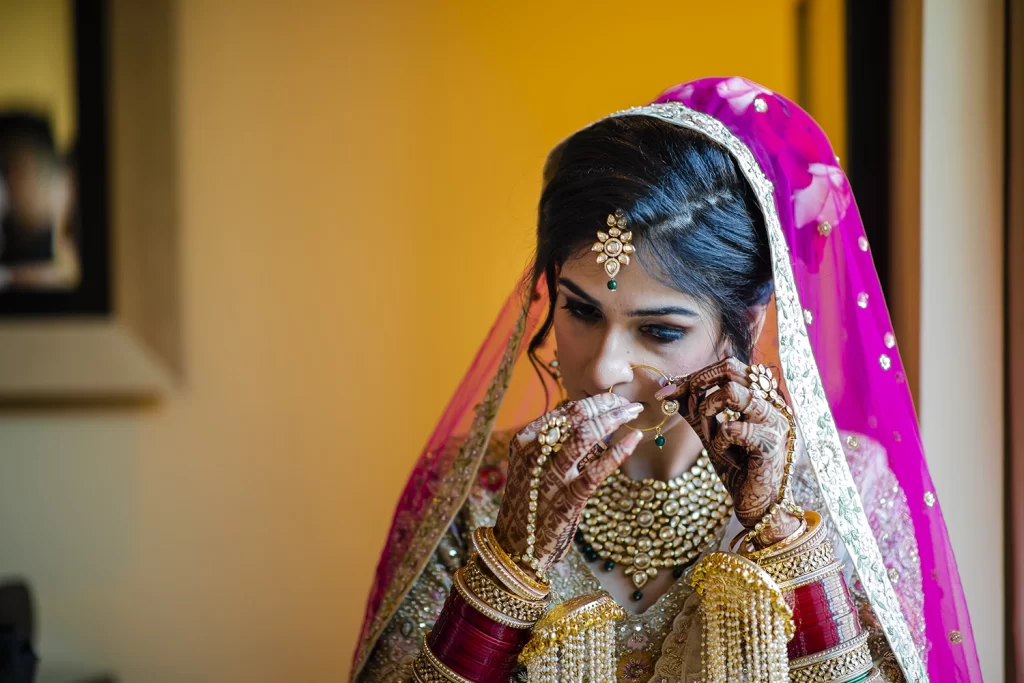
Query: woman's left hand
749, 454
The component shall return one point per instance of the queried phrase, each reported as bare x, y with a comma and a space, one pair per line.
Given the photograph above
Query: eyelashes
663, 335
589, 315
581, 311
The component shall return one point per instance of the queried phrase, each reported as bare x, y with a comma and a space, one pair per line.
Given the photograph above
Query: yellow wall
826, 70
36, 68
358, 184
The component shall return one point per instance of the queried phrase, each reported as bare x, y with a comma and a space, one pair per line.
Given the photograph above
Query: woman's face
601, 333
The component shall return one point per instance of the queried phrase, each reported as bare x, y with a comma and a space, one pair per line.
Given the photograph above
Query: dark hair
694, 217
24, 130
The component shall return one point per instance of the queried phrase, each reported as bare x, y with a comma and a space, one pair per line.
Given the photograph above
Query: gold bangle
504, 567
483, 587
808, 561
812, 577
774, 547
492, 562
805, 559
483, 608
809, 554
777, 551
840, 664
538, 584
427, 668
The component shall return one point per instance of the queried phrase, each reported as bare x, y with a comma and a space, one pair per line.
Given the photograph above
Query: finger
727, 455
529, 433
739, 398
593, 454
728, 370
693, 418
742, 434
761, 411
585, 437
592, 477
755, 409
593, 406
574, 411
676, 388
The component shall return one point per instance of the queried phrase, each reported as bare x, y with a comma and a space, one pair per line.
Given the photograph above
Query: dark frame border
869, 65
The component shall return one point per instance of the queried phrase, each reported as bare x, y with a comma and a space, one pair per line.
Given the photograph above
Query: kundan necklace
650, 524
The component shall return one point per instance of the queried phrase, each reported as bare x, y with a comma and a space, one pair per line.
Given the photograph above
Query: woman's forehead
636, 289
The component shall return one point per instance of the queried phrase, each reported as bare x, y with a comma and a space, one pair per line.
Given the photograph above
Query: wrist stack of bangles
830, 644
487, 619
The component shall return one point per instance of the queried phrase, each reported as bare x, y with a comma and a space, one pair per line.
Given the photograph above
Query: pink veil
835, 344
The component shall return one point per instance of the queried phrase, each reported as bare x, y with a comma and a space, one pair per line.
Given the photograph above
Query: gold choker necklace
649, 524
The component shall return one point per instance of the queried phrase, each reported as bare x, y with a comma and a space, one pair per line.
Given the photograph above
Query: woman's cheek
688, 357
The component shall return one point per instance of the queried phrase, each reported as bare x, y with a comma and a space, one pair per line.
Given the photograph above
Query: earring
554, 369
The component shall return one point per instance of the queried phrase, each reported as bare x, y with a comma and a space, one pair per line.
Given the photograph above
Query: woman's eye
582, 311
663, 335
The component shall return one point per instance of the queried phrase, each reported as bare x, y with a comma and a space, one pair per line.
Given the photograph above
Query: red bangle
454, 640
456, 618
478, 666
488, 626
824, 615
474, 646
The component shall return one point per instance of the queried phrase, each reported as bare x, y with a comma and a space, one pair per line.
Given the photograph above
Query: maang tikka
615, 246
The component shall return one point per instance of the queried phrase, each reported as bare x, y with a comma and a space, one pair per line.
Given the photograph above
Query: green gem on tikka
613, 285
659, 441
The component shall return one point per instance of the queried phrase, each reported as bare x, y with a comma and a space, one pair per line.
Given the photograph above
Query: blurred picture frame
89, 295
54, 182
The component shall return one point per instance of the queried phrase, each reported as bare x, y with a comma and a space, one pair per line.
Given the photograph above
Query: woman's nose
611, 366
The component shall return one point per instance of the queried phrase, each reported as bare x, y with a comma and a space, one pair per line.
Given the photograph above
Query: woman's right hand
569, 476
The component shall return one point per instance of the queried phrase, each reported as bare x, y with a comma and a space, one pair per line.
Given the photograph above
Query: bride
726, 479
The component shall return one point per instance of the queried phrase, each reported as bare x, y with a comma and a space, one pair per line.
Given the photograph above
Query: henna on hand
750, 455
764, 467
569, 477
562, 516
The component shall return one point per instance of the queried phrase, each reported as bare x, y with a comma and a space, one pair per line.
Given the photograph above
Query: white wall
961, 388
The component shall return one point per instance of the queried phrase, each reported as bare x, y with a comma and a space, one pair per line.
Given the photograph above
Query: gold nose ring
669, 407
